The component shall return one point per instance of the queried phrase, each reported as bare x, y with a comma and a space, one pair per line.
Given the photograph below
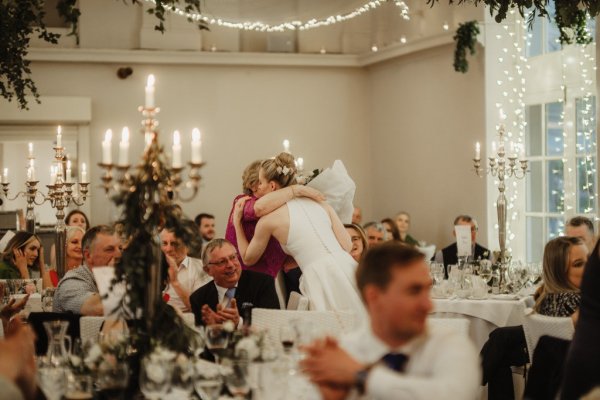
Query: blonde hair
250, 176
281, 169
555, 267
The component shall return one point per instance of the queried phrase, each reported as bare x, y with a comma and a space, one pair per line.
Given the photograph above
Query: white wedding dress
327, 270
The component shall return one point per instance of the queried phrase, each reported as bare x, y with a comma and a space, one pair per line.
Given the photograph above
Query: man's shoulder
449, 247
82, 273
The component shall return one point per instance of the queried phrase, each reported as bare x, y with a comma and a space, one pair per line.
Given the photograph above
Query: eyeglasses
225, 261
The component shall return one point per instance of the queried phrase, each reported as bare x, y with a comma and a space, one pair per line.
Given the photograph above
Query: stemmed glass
217, 340
485, 270
182, 383
236, 376
208, 381
52, 379
287, 337
155, 378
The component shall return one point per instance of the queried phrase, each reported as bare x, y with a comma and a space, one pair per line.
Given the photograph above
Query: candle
31, 171
52, 175
522, 151
196, 144
150, 91
176, 150
512, 150
68, 174
30, 150
286, 146
477, 151
494, 149
124, 147
59, 137
106, 148
5, 176
83, 173
300, 164
148, 139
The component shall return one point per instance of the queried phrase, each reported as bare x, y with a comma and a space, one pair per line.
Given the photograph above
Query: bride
311, 233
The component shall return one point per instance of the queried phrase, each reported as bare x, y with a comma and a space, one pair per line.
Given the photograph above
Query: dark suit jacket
253, 287
451, 258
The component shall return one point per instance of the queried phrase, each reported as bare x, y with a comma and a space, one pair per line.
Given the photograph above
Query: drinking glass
217, 339
155, 378
182, 381
48, 299
111, 380
52, 379
287, 337
208, 381
79, 387
485, 270
437, 272
236, 376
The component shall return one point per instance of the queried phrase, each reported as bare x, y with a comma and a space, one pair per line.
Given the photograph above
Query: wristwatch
360, 379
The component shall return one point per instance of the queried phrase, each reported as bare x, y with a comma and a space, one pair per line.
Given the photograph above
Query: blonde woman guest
359, 241
403, 223
311, 233
73, 218
23, 254
73, 252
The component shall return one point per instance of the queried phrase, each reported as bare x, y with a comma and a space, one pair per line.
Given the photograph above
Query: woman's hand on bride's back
238, 210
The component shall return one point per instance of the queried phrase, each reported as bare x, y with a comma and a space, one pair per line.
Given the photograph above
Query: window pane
554, 130
555, 186
534, 130
535, 239
535, 38
552, 32
534, 187
555, 226
591, 24
586, 185
586, 125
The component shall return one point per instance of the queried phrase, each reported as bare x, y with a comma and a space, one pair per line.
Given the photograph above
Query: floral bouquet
248, 343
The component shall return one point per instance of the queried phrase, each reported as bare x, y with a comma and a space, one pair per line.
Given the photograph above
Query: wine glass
485, 270
236, 376
208, 381
155, 378
52, 379
48, 299
217, 339
287, 337
437, 272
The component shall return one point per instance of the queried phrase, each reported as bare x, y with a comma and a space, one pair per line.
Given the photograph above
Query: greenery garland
466, 38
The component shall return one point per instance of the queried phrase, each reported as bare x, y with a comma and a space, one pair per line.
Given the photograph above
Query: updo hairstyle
281, 169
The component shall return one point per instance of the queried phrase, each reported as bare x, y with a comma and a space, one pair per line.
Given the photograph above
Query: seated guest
582, 228
403, 224
359, 241
376, 233
449, 255
222, 298
73, 252
357, 216
185, 273
392, 230
73, 218
206, 227
558, 296
396, 356
23, 254
17, 363
77, 291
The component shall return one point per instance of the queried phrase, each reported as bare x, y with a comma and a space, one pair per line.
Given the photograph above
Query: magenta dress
271, 261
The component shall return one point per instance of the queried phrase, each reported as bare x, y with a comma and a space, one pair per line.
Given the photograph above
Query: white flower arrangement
248, 348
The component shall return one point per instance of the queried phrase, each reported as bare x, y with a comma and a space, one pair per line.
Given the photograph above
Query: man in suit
448, 255
221, 299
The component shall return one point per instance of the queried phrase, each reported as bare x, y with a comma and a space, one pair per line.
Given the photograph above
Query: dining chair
89, 327
536, 325
298, 302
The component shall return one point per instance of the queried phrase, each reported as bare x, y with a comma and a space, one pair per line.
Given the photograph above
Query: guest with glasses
221, 299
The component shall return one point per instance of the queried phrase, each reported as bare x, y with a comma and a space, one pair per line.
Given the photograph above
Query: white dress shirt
442, 364
191, 276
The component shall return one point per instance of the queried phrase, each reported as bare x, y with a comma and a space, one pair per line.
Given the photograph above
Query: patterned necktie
395, 361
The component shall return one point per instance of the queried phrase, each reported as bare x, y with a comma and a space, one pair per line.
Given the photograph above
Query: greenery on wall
20, 20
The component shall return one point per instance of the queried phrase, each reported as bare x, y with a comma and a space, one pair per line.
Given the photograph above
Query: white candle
106, 148
59, 137
83, 173
124, 147
493, 149
31, 171
300, 164
176, 150
148, 138
196, 144
52, 175
68, 174
477, 151
522, 151
286, 146
30, 150
5, 176
150, 91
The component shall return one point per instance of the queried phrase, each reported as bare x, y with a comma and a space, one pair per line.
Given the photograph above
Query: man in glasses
221, 299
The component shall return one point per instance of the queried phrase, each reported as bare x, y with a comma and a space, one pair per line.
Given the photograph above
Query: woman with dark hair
359, 241
392, 230
23, 253
77, 218
403, 224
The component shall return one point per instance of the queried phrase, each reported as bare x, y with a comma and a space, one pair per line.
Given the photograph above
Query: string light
293, 25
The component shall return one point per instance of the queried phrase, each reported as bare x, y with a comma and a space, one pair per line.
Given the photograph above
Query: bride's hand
238, 211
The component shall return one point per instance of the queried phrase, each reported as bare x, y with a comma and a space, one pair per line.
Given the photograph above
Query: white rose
248, 347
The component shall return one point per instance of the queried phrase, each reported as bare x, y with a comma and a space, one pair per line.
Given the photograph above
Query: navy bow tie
395, 361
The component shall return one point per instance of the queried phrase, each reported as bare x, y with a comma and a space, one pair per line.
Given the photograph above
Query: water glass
155, 378
208, 381
51, 379
236, 374
217, 340
287, 337
48, 299
111, 380
79, 387
437, 273
182, 380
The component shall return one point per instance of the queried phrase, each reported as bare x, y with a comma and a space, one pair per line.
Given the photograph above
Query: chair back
331, 323
90, 327
298, 302
536, 325
280, 289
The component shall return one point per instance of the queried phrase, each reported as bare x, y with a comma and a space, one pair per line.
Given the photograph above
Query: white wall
425, 121
244, 113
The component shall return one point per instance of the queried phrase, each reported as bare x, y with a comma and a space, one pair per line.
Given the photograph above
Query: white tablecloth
484, 315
